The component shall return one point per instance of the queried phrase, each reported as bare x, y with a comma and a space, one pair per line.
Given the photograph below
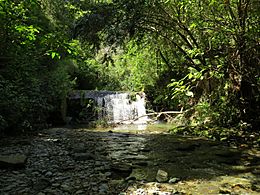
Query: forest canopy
201, 56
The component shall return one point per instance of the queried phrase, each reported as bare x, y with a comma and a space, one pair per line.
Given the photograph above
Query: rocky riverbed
82, 161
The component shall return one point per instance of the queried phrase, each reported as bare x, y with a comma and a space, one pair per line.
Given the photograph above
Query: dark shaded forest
199, 56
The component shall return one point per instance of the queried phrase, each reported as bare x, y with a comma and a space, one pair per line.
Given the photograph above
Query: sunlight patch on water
143, 128
135, 128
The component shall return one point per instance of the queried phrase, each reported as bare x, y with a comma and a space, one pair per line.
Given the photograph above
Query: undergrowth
216, 123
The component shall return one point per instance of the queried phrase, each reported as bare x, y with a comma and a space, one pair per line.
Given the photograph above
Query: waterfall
116, 107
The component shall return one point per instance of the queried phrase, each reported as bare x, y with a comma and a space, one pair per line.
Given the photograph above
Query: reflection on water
131, 127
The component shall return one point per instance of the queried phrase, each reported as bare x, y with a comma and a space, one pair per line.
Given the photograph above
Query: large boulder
12, 161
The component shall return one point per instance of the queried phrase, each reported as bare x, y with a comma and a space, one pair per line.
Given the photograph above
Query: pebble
48, 174
40, 193
174, 180
56, 185
103, 188
80, 192
107, 174
66, 187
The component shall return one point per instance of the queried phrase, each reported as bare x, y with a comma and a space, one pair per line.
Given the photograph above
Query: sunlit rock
162, 176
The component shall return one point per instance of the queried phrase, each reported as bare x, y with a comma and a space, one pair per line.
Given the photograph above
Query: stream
125, 160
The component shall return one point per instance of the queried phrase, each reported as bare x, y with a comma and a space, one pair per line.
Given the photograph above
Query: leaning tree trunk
248, 69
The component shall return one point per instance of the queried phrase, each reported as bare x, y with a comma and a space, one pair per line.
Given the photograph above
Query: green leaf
53, 54
189, 93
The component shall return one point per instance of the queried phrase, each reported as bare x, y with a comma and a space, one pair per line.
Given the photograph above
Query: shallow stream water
127, 160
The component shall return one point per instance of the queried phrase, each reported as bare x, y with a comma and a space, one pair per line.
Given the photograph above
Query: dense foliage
210, 51
32, 48
200, 56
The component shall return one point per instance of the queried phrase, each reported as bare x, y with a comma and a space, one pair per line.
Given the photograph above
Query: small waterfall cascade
116, 107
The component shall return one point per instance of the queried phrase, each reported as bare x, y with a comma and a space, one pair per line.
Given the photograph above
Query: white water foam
117, 107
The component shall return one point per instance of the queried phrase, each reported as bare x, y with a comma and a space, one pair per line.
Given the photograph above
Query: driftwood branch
158, 114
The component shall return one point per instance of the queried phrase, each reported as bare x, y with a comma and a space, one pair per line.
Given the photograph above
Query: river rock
187, 147
84, 156
40, 193
162, 176
224, 191
41, 184
121, 167
103, 188
66, 187
174, 180
141, 163
79, 148
143, 174
13, 161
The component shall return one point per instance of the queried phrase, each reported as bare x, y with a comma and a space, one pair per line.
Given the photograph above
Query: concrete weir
114, 106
